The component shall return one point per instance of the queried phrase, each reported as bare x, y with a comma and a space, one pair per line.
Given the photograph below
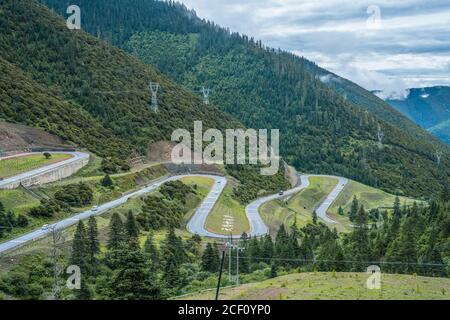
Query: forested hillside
321, 130
83, 89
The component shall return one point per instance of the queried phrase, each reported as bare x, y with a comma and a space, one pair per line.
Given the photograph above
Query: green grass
17, 200
300, 206
370, 197
14, 166
335, 286
227, 205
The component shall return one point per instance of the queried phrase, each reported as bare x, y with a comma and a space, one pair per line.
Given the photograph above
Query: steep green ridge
360, 96
442, 131
26, 101
321, 131
85, 90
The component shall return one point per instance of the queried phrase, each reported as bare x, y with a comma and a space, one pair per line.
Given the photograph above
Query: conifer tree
132, 229
210, 259
171, 275
314, 217
354, 209
93, 243
79, 255
117, 235
133, 280
107, 181
273, 271
360, 250
153, 253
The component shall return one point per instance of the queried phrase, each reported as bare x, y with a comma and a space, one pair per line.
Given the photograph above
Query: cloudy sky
388, 45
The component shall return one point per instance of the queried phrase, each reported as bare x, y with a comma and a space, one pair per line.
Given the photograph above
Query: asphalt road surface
198, 221
36, 172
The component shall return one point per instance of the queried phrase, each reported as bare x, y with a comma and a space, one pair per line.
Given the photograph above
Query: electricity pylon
438, 155
206, 92
380, 136
154, 87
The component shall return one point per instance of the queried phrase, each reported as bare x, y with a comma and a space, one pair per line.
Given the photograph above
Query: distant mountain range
429, 108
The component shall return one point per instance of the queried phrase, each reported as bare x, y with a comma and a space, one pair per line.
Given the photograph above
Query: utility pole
230, 245
58, 240
154, 87
237, 262
205, 92
223, 248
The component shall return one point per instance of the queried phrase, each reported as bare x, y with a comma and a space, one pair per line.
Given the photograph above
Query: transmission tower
438, 155
58, 241
154, 87
380, 136
205, 92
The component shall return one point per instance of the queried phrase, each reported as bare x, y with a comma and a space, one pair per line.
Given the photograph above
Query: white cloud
411, 47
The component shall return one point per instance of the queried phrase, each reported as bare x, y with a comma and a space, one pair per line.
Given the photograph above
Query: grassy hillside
370, 198
13, 166
335, 286
84, 90
321, 132
300, 207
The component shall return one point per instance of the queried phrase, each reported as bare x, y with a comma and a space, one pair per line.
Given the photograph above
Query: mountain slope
428, 107
84, 90
23, 100
442, 131
321, 131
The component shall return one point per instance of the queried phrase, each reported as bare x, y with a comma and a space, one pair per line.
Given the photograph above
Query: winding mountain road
76, 156
198, 221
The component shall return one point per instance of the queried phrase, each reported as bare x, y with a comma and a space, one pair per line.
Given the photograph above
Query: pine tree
273, 271
267, 247
151, 250
107, 181
173, 246
244, 262
133, 280
93, 243
171, 275
254, 250
210, 259
445, 193
354, 209
4, 225
132, 228
117, 235
80, 247
314, 217
360, 249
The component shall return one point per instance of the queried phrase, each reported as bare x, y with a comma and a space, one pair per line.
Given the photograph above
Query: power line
347, 261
